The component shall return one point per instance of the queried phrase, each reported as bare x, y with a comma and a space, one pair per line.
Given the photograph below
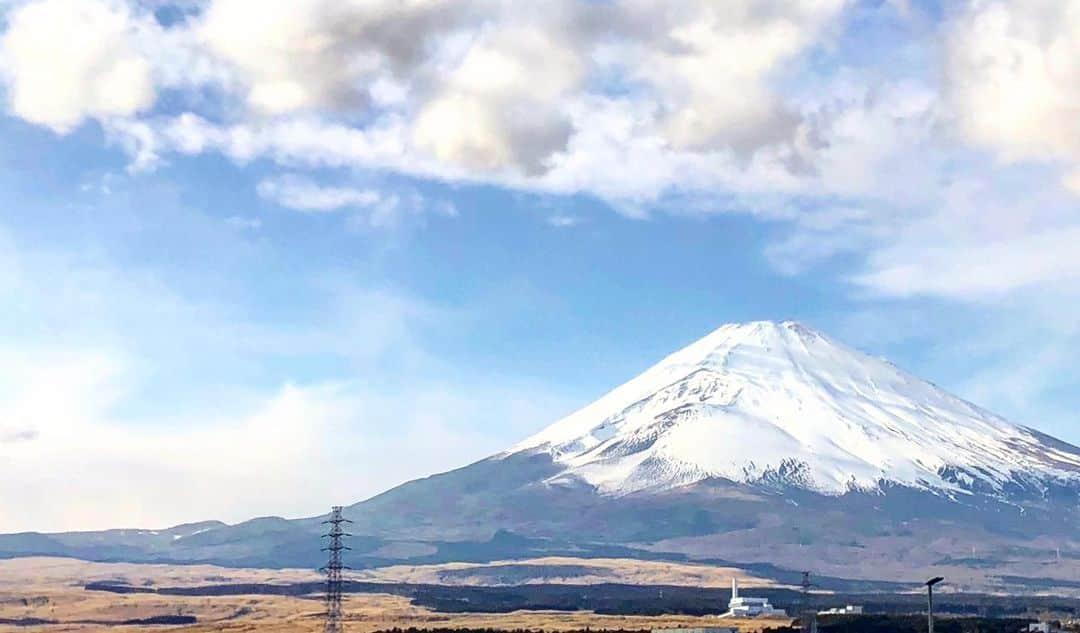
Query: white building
700, 629
850, 609
740, 607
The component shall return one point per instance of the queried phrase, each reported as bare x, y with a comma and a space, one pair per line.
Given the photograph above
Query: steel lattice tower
807, 613
333, 569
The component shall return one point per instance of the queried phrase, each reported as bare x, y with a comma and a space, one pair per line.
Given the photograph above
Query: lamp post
930, 602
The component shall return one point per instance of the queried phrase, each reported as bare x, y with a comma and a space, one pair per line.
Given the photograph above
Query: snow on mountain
779, 402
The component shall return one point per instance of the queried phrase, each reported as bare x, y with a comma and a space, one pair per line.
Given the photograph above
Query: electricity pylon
333, 569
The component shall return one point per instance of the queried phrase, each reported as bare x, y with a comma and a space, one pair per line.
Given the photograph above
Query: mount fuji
769, 402
762, 443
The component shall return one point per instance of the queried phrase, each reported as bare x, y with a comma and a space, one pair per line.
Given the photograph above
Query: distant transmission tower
333, 569
807, 614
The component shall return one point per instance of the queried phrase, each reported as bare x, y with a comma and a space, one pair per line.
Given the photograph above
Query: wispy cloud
263, 446
80, 393
242, 222
308, 196
367, 208
13, 436
563, 221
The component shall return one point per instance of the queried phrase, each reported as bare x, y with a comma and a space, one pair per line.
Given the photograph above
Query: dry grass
51, 589
52, 572
22, 572
366, 613
614, 570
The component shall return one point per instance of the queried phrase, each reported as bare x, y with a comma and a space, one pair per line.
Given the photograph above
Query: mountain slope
763, 443
767, 401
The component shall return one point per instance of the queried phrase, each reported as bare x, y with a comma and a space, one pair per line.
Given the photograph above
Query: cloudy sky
261, 257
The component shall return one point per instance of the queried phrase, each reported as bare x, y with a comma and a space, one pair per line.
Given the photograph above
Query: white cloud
915, 214
139, 140
881, 182
368, 208
305, 195
76, 463
566, 97
293, 56
500, 106
244, 223
390, 211
710, 64
77, 471
73, 466
680, 108
124, 402
1013, 77
1071, 181
13, 435
977, 271
483, 84
481, 90
66, 60
292, 141
561, 221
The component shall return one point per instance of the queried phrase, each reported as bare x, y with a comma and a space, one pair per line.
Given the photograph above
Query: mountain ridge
827, 412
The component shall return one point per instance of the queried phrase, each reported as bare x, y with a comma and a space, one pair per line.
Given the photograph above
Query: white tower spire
734, 587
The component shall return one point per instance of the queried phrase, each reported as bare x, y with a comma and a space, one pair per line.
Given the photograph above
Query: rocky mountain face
764, 444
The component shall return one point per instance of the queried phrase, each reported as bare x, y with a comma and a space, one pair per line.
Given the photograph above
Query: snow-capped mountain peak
780, 402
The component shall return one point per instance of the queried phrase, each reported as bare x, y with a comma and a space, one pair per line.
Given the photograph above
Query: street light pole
930, 602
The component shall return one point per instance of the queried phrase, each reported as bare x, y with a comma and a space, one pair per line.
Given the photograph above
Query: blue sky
235, 245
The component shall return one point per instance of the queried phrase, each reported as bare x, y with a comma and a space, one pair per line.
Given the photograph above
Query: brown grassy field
51, 571
51, 589
616, 570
